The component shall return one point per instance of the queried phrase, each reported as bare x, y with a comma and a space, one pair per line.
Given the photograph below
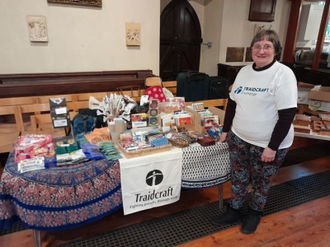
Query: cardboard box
197, 117
303, 92
319, 99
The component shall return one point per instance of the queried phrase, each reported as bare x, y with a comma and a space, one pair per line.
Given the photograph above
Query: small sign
59, 112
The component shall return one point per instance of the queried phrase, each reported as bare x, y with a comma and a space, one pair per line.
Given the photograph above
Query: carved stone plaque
235, 54
133, 34
37, 27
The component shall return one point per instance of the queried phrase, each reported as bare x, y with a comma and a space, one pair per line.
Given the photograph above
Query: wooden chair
132, 91
153, 81
45, 99
35, 109
9, 132
42, 124
77, 105
44, 107
211, 102
171, 86
18, 101
85, 96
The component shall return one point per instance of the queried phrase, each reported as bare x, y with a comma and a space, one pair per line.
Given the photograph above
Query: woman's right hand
223, 137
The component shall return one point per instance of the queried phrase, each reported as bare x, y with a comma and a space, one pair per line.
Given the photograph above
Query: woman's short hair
269, 35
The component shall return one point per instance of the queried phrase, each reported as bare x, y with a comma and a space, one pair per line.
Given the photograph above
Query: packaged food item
30, 146
31, 164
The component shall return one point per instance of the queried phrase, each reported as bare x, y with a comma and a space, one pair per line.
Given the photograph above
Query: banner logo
154, 177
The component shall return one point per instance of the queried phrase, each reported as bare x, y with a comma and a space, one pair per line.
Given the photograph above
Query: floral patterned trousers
247, 168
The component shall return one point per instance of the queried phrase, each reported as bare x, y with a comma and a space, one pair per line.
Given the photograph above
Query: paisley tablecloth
68, 197
59, 198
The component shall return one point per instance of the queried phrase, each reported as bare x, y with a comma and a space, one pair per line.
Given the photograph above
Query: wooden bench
21, 85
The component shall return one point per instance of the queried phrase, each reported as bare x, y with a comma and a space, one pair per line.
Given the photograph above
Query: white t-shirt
258, 96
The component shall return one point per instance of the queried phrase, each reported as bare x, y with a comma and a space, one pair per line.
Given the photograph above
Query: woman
261, 107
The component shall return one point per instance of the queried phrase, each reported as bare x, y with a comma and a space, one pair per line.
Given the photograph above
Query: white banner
151, 181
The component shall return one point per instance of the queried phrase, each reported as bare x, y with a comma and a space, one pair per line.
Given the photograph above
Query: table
204, 167
61, 198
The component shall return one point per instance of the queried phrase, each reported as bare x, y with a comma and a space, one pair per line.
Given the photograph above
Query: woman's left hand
268, 155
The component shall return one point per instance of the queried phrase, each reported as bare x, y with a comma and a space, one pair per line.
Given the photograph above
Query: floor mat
195, 223
300, 155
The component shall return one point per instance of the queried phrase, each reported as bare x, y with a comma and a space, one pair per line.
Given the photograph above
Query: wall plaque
37, 27
133, 34
235, 54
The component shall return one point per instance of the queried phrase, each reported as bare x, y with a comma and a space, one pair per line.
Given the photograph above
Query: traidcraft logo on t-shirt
252, 91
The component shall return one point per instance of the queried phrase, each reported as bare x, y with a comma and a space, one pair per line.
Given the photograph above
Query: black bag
193, 86
218, 87
82, 123
85, 121
98, 118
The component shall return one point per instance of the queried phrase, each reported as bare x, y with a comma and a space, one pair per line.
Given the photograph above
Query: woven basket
179, 142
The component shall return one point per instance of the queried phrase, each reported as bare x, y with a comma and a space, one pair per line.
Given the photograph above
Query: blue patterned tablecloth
59, 198
67, 197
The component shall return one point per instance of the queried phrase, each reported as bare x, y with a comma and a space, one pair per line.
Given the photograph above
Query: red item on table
156, 92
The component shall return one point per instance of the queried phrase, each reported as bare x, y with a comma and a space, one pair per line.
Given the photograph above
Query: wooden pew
20, 85
9, 132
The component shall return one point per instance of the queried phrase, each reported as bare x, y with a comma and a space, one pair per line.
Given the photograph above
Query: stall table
67, 197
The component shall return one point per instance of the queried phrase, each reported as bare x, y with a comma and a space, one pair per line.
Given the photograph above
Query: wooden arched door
180, 40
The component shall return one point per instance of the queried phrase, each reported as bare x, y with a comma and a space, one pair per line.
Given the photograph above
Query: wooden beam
292, 32
320, 38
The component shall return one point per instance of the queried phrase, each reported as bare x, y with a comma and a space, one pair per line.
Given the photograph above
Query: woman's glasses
259, 47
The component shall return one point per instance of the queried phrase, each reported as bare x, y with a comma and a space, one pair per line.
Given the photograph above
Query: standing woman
258, 129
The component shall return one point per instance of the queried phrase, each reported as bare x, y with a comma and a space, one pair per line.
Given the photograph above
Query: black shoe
231, 216
251, 222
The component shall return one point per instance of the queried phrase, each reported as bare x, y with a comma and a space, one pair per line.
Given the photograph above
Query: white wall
93, 39
212, 32
225, 23
238, 31
80, 38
